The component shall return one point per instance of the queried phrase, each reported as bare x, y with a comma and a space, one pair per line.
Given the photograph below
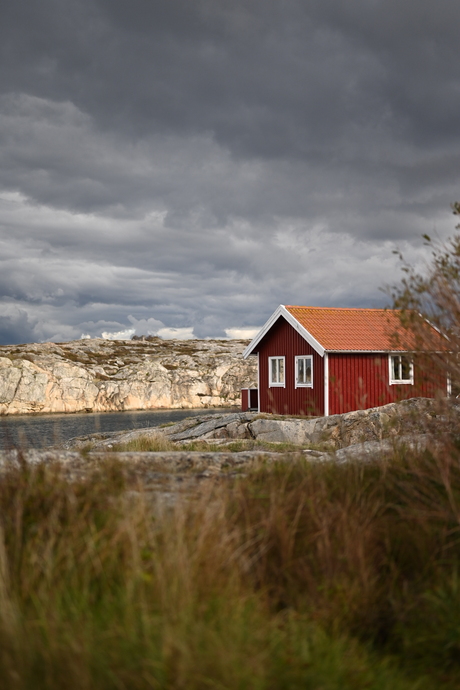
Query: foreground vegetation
296, 576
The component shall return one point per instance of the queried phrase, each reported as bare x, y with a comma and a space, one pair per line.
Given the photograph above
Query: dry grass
144, 444
160, 443
296, 576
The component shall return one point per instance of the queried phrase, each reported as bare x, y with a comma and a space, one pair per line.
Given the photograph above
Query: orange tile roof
350, 329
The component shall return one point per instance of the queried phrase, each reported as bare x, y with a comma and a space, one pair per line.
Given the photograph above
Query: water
42, 431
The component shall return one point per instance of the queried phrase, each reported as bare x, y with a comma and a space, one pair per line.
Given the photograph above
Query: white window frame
299, 384
276, 384
397, 382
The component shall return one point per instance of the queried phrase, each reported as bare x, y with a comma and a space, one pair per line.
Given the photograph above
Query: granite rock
102, 375
336, 431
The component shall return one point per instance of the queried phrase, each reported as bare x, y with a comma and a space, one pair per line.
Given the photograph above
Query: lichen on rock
103, 375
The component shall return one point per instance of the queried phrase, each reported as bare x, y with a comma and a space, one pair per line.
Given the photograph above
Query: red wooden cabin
322, 361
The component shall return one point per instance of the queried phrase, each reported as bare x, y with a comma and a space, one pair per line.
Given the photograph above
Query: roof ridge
302, 306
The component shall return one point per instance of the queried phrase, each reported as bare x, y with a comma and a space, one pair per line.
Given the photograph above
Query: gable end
292, 321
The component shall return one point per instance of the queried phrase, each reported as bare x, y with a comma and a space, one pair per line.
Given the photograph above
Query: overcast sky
185, 166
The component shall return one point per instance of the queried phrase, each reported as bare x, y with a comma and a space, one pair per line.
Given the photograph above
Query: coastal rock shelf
104, 375
411, 422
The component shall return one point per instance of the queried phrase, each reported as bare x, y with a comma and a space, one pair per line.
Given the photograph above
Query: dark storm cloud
193, 164
263, 77
16, 327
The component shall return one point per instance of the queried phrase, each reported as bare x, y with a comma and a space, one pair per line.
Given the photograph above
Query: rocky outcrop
175, 461
411, 417
417, 415
102, 375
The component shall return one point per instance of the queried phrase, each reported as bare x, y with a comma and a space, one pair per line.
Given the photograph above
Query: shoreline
145, 410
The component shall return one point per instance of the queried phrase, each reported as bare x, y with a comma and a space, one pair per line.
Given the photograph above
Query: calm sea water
42, 431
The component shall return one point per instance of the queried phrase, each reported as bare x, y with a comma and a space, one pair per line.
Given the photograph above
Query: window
304, 371
276, 371
401, 369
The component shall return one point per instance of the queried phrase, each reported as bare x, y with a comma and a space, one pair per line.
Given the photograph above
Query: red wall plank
359, 381
284, 341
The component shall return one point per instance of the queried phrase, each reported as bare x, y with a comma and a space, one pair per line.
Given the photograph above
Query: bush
432, 298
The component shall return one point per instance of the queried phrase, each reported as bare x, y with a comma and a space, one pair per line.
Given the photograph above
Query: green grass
297, 576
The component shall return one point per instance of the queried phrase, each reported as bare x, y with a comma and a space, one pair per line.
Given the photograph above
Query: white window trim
272, 384
400, 382
303, 385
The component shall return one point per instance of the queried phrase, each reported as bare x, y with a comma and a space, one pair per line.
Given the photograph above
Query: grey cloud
55, 156
265, 82
16, 327
197, 163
